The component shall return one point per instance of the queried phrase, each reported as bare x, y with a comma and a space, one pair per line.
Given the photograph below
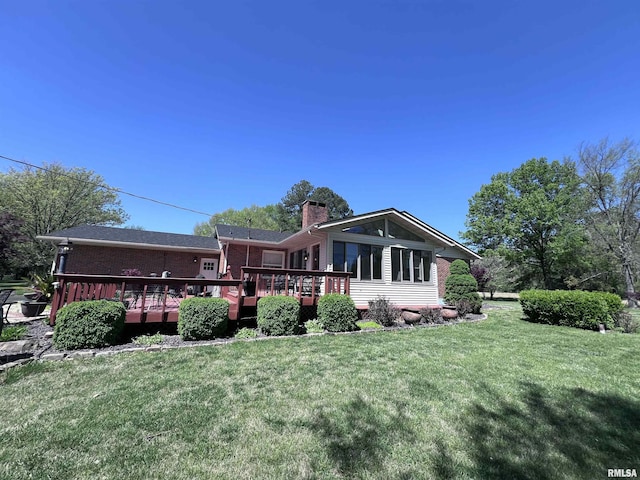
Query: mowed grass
501, 398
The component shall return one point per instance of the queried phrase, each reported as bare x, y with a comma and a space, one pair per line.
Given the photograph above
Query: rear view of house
386, 253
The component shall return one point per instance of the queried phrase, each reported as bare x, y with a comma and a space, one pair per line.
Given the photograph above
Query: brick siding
237, 257
314, 212
98, 260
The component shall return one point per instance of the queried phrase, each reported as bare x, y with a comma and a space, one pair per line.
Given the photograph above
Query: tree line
573, 224
284, 216
40, 200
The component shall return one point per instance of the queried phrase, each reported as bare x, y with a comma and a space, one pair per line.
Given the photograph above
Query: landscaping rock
449, 313
411, 317
53, 356
17, 346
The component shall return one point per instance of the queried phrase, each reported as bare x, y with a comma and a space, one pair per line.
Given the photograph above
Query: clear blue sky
222, 104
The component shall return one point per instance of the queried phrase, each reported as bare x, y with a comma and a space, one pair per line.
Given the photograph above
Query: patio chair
4, 297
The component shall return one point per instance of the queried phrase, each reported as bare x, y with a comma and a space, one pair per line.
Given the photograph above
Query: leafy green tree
290, 207
11, 235
52, 198
531, 214
611, 175
257, 217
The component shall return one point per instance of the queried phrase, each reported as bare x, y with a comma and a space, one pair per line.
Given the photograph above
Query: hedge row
573, 308
99, 323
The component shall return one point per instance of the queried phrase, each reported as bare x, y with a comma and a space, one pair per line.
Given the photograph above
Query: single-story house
389, 253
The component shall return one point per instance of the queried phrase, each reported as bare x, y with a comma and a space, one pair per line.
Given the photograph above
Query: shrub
203, 318
246, 333
626, 323
278, 315
573, 308
432, 315
382, 311
90, 324
459, 267
464, 306
313, 326
613, 301
460, 285
337, 313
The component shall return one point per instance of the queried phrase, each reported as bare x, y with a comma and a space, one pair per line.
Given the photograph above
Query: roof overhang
119, 244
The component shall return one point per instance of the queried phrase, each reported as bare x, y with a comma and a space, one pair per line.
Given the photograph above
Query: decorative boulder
449, 313
411, 317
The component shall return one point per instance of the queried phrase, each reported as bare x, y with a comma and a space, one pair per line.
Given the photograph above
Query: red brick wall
111, 261
237, 257
314, 212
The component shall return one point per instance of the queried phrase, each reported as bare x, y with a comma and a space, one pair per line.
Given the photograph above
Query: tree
10, 236
253, 216
493, 273
532, 214
52, 198
290, 207
460, 286
611, 175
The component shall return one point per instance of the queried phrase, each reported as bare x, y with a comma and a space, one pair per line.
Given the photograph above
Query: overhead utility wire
106, 187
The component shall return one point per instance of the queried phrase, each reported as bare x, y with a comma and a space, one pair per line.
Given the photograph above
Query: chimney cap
314, 202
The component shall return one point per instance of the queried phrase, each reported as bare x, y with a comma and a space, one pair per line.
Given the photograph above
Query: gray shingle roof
244, 233
128, 235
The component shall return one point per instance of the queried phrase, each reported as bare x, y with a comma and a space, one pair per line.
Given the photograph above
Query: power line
106, 187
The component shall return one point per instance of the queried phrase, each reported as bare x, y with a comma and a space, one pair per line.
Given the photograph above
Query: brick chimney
314, 212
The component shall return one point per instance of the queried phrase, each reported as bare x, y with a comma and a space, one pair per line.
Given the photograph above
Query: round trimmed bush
203, 318
337, 313
278, 315
90, 324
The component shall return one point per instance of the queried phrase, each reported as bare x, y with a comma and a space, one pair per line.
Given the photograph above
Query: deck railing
146, 298
154, 299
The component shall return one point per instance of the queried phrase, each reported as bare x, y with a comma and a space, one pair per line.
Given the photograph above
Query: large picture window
363, 261
410, 265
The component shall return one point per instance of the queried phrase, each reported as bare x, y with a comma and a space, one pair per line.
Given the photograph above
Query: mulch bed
40, 333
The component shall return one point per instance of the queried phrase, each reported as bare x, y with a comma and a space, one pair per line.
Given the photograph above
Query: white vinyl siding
400, 293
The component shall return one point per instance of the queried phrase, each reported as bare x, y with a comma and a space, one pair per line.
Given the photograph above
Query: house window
375, 229
296, 259
272, 259
363, 261
410, 265
396, 231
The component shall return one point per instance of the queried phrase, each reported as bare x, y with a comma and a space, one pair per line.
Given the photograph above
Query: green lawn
501, 398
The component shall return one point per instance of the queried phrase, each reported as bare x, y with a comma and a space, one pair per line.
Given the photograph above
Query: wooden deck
156, 300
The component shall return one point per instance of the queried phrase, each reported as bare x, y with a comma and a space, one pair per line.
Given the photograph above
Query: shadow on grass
358, 437
543, 435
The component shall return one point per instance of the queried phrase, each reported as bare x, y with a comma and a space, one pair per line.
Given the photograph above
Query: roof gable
403, 219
